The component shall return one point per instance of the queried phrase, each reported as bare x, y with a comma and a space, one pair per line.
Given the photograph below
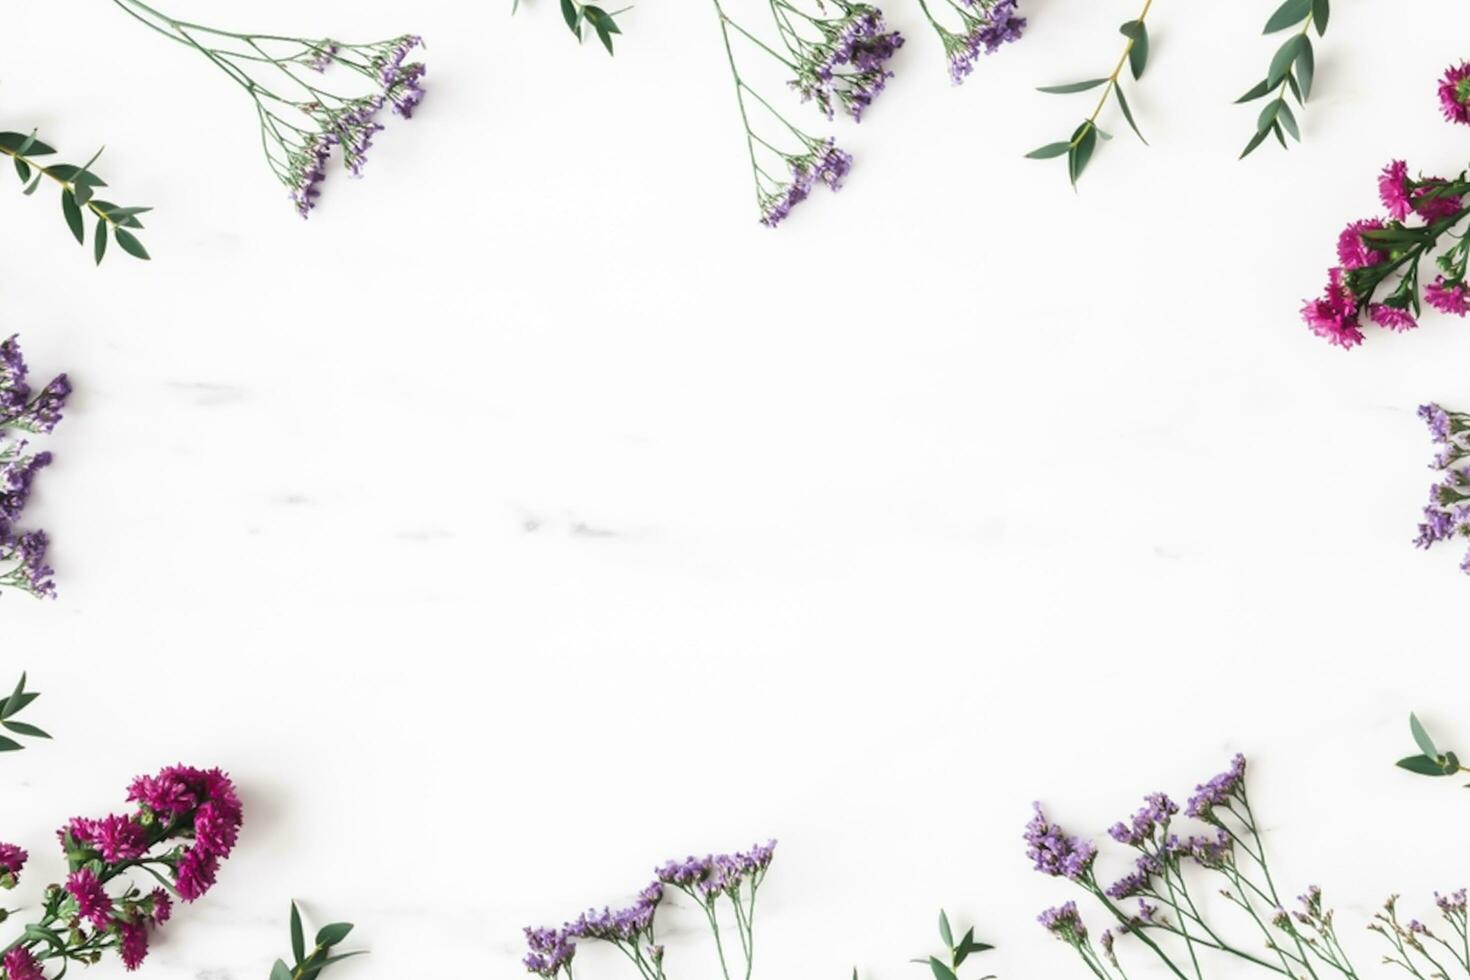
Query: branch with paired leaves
604, 24
1079, 147
1431, 761
309, 964
9, 708
78, 192
956, 952
1292, 69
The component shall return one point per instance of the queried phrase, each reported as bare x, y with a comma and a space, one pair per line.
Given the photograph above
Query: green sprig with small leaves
309, 964
579, 15
78, 192
1431, 761
1292, 69
955, 952
9, 708
1079, 147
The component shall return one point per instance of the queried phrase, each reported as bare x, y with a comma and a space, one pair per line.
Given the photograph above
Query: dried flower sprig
185, 823
983, 27
1295, 944
955, 952
1292, 69
1079, 147
310, 963
1421, 215
1417, 948
12, 706
1447, 515
1431, 761
302, 119
736, 878
78, 191
23, 553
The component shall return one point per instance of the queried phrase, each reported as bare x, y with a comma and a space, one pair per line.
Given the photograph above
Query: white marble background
531, 514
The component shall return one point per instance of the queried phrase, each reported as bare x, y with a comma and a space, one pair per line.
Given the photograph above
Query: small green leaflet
1289, 13
1421, 737
1071, 87
1136, 32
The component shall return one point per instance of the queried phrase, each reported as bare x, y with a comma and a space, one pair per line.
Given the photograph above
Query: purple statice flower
23, 553
988, 24
1218, 791
1054, 852
1003, 26
1454, 93
1064, 922
1157, 809
1451, 904
1209, 852
823, 162
21, 964
322, 55
848, 67
626, 925
1334, 316
12, 860
1447, 514
1352, 251
1438, 420
551, 951
1448, 296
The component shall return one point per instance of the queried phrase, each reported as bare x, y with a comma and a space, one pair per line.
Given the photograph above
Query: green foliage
578, 15
955, 952
309, 964
9, 708
1292, 70
1431, 761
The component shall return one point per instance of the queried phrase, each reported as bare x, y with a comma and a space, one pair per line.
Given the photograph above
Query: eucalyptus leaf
1306, 67
9, 745
280, 971
331, 935
1048, 151
128, 243
1320, 13
1290, 12
572, 16
1421, 737
941, 972
1071, 87
21, 728
1137, 32
22, 168
1255, 141
1255, 92
1267, 118
99, 240
73, 214
1287, 118
298, 935
1127, 112
1285, 55
1423, 765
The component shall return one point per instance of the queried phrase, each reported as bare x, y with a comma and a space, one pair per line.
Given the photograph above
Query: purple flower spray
1447, 515
23, 410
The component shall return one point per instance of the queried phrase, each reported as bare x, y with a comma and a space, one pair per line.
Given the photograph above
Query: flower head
1394, 318
1334, 316
1393, 189
1353, 251
1448, 296
12, 860
1064, 922
91, 898
1454, 93
20, 964
1218, 791
1054, 852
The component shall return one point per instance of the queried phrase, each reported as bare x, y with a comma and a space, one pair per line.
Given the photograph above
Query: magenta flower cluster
1447, 514
1420, 212
735, 877
23, 553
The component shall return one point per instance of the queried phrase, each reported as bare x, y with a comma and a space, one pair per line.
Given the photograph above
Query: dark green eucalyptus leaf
82, 192
1285, 55
1071, 87
338, 957
1451, 763
1267, 118
1136, 32
21, 728
1280, 136
1421, 737
280, 971
71, 174
1306, 67
99, 240
1423, 765
331, 935
34, 184
1290, 12
1046, 153
1287, 118
12, 143
129, 244
572, 16
944, 932
14, 703
1295, 89
9, 745
1127, 112
22, 168
298, 935
1320, 12
1256, 91
1085, 147
941, 972
604, 36
1255, 141
73, 214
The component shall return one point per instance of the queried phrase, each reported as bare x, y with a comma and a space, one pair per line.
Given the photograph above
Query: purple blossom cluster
986, 26
1419, 212
1218, 790
822, 163
1447, 515
23, 553
1056, 853
1424, 950
848, 67
734, 876
12, 861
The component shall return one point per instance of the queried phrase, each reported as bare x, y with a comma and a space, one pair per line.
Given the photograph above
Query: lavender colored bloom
848, 66
1156, 811
1218, 791
1064, 922
823, 162
1054, 852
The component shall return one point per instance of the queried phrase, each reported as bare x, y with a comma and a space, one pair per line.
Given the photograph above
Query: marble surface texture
531, 515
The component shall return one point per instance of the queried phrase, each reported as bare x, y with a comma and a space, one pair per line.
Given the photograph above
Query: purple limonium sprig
786, 162
839, 55
306, 110
733, 877
1423, 950
1447, 515
1378, 275
1169, 921
23, 553
184, 824
971, 28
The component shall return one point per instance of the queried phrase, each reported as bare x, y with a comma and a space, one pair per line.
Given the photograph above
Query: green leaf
15, 703
1255, 92
337, 958
9, 745
1256, 141
298, 935
1320, 12
572, 16
1306, 67
1285, 55
99, 240
1451, 763
73, 214
1421, 737
1082, 152
24, 143
1287, 118
22, 168
34, 184
1048, 151
82, 192
1290, 12
944, 932
941, 972
1267, 118
129, 244
333, 934
280, 971
16, 700
1071, 87
1127, 112
1135, 31
1423, 765
21, 728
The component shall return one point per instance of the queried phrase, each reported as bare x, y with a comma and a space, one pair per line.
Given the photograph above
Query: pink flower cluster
1419, 211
